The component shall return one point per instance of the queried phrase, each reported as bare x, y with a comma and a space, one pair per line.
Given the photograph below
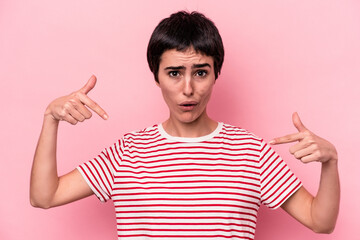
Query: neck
198, 128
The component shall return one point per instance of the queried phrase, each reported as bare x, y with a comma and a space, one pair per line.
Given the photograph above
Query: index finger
93, 106
287, 138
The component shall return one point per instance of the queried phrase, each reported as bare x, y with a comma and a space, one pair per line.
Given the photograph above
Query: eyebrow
193, 66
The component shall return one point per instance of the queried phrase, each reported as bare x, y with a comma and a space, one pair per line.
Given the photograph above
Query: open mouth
188, 106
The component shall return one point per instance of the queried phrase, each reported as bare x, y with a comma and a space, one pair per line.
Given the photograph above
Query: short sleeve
99, 172
278, 182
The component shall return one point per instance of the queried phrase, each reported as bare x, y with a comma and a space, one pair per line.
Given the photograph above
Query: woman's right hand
75, 107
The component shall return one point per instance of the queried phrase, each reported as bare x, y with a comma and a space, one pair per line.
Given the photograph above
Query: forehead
183, 58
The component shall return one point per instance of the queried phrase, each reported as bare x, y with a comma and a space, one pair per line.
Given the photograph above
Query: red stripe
107, 192
144, 143
271, 165
117, 153
185, 212
231, 144
179, 144
89, 179
136, 161
104, 172
264, 179
184, 236
192, 147
192, 181
113, 156
181, 198
185, 230
278, 194
187, 199
149, 132
268, 158
109, 171
287, 187
108, 160
237, 139
290, 192
280, 178
278, 171
140, 139
187, 170
264, 145
236, 133
189, 187
188, 223
192, 205
109, 183
186, 217
142, 136
160, 142
187, 176
120, 143
131, 156
223, 139
215, 164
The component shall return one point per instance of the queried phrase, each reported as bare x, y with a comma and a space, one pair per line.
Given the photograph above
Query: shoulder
238, 132
149, 133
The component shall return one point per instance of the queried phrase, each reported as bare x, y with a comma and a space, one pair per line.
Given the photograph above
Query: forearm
47, 189
319, 213
325, 205
44, 177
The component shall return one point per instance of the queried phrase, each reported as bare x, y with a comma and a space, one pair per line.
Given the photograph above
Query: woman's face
186, 80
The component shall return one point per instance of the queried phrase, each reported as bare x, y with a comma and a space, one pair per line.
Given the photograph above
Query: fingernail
272, 142
106, 116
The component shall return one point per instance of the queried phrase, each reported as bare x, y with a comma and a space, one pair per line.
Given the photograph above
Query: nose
188, 89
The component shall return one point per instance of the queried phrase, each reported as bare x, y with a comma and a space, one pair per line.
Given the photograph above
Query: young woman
190, 177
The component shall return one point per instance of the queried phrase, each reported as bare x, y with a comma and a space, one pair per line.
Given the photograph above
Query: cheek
206, 92
168, 95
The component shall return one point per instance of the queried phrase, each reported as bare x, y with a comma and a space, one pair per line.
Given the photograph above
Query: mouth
188, 106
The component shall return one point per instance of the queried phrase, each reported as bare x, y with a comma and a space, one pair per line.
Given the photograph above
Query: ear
157, 83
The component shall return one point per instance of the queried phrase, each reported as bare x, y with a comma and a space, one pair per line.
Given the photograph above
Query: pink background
281, 57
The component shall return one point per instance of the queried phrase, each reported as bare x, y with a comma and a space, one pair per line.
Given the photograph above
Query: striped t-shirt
211, 187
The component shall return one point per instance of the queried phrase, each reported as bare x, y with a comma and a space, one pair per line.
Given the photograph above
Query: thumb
297, 122
89, 85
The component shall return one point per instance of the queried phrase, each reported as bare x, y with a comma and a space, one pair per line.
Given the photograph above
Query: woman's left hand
310, 147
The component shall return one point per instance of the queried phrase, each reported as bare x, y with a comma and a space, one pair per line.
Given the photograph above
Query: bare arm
318, 213
47, 189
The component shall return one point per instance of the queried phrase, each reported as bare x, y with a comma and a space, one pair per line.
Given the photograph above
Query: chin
188, 119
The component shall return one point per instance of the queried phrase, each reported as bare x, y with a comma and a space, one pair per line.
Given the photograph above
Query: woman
191, 176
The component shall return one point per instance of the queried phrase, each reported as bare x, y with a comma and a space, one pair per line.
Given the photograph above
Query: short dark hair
183, 30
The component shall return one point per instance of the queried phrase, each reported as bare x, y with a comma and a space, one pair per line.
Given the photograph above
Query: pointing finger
287, 138
93, 106
89, 85
297, 122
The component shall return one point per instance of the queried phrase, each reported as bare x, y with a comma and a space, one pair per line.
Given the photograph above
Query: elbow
325, 229
39, 204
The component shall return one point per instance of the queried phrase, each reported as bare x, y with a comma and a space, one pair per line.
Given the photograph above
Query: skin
184, 77
318, 213
187, 77
47, 189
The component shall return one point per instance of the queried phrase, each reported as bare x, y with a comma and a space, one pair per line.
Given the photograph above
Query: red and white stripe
211, 187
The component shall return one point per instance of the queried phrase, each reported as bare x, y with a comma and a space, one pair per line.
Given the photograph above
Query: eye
201, 73
174, 73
